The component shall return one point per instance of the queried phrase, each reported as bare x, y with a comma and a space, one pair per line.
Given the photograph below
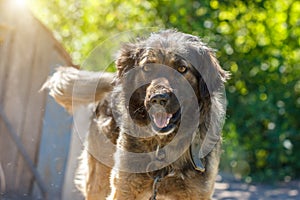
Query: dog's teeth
169, 116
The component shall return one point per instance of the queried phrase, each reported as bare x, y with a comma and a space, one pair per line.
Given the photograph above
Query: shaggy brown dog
157, 123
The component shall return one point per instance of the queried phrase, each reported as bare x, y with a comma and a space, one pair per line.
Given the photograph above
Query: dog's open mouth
161, 119
163, 122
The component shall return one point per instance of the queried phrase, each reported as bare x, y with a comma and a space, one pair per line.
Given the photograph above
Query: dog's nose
160, 99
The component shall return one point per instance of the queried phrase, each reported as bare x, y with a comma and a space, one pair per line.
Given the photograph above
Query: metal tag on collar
196, 161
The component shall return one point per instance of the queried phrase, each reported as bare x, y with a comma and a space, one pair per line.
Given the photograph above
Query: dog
156, 128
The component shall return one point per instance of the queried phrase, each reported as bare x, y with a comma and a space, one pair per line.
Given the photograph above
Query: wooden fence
34, 130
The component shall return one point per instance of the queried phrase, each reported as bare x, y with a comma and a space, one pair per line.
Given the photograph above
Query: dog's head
157, 70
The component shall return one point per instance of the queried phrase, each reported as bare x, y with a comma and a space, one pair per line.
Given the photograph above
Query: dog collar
194, 156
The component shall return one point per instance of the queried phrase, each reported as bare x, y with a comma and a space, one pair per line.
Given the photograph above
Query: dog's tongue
161, 119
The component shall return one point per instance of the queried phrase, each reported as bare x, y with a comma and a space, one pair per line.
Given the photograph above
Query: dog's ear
213, 76
211, 86
204, 92
206, 64
127, 57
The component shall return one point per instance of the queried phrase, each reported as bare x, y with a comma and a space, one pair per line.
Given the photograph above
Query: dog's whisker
138, 109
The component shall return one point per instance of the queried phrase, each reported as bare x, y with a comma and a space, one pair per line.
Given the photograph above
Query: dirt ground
227, 188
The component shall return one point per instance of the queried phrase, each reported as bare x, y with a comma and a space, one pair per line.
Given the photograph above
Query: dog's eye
182, 69
146, 68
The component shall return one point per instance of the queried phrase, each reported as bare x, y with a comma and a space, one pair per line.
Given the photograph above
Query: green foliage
81, 25
257, 41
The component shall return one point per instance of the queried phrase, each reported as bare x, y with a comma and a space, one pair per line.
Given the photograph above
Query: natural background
256, 40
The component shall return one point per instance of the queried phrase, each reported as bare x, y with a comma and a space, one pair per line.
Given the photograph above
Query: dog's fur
117, 121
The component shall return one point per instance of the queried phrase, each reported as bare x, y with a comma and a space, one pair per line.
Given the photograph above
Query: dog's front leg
129, 186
